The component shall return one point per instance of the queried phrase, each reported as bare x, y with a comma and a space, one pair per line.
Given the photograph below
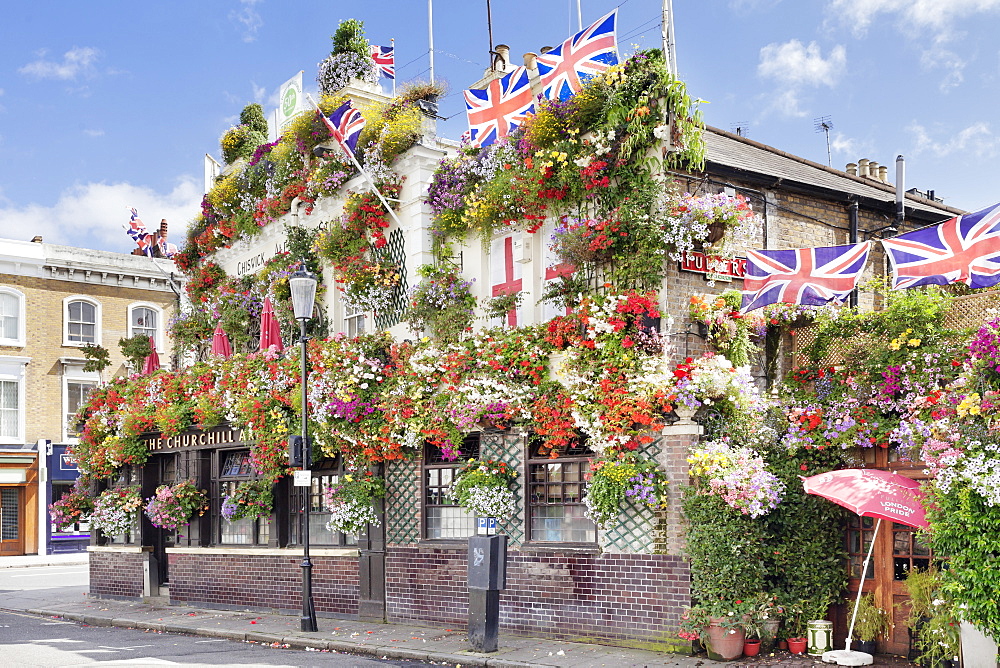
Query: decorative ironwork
638, 529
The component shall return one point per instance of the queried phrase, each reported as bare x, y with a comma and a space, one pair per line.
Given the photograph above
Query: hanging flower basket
175, 505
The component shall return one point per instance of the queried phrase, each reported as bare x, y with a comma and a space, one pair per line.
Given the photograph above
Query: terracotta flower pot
724, 644
797, 645
751, 647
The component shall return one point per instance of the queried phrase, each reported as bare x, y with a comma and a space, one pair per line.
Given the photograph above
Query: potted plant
175, 505
719, 626
934, 627
870, 623
766, 614
795, 627
482, 487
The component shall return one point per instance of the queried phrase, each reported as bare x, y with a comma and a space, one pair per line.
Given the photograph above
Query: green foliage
967, 531
251, 499
621, 477
727, 552
252, 116
872, 622
498, 307
240, 142
98, 358
135, 349
350, 38
805, 553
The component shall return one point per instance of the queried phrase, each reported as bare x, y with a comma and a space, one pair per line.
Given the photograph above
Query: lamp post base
308, 621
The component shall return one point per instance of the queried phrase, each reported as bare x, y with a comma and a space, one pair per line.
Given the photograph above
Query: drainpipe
852, 232
900, 172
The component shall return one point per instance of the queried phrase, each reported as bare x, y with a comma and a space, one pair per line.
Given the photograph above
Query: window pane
76, 395
82, 324
144, 321
8, 316
8, 409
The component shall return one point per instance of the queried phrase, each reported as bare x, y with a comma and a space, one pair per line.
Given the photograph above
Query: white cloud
785, 103
91, 215
935, 16
94, 133
76, 61
248, 17
939, 58
977, 140
841, 144
797, 64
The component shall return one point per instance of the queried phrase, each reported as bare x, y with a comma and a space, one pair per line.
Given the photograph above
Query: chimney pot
852, 168
37, 239
873, 170
883, 174
529, 60
863, 167
503, 51
545, 49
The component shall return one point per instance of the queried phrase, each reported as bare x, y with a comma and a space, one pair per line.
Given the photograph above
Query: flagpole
430, 34
667, 30
392, 45
358, 166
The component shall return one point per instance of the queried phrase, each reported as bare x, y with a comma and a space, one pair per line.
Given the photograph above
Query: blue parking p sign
486, 526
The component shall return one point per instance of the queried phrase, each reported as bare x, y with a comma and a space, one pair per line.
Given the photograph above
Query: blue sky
106, 105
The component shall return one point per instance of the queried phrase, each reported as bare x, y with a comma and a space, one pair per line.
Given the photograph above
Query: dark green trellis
394, 251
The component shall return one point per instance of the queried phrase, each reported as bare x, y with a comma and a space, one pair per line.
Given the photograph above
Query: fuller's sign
195, 438
714, 268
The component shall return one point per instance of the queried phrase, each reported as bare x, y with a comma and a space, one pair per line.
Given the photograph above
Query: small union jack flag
136, 228
965, 249
812, 276
564, 69
345, 124
385, 60
137, 231
498, 109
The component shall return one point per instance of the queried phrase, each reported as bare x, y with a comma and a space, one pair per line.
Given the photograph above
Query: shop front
62, 473
18, 501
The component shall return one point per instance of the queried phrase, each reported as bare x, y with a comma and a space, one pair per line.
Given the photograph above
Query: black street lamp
303, 288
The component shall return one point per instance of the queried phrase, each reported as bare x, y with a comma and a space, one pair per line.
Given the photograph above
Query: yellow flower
913, 343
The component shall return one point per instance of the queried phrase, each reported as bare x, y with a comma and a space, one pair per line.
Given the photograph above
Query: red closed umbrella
270, 331
869, 493
152, 362
220, 343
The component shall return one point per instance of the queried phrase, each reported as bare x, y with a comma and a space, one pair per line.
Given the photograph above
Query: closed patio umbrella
220, 343
152, 362
270, 331
869, 493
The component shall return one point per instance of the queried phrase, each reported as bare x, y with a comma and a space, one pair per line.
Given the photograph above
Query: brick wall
43, 299
630, 599
264, 581
116, 574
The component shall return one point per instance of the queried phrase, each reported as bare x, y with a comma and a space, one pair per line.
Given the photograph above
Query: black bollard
487, 576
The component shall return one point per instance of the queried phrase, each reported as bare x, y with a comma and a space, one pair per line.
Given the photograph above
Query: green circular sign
289, 101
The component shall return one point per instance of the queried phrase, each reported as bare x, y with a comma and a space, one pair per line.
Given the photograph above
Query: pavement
389, 641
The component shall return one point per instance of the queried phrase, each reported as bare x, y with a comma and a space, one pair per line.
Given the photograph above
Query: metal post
308, 609
430, 34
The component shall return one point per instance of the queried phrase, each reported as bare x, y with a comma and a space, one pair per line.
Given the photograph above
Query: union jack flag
137, 231
136, 228
564, 69
811, 276
495, 111
965, 249
345, 124
385, 60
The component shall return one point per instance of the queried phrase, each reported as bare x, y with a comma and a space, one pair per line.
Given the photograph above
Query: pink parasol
270, 331
869, 493
152, 362
220, 343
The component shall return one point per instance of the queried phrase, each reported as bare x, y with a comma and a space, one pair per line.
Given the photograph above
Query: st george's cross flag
812, 276
385, 60
564, 69
345, 124
965, 249
498, 109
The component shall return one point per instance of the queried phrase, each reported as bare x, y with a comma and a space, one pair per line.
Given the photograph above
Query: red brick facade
622, 598
264, 581
117, 573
